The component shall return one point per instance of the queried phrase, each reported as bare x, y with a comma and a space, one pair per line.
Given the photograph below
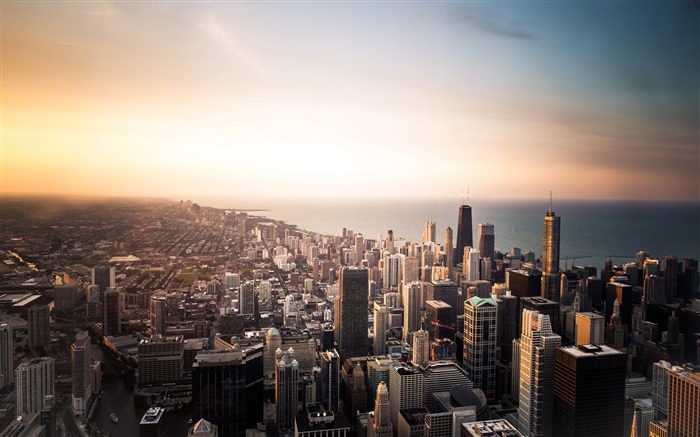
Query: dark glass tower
550, 255
464, 233
351, 318
589, 391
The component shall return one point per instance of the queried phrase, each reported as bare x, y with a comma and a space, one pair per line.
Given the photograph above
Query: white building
34, 381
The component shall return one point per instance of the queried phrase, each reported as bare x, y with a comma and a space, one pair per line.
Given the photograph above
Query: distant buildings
464, 233
111, 324
38, 326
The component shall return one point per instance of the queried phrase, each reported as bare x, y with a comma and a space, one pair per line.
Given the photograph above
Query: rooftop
587, 350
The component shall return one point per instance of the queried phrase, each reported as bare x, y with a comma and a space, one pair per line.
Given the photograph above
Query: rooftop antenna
550, 201
467, 195
462, 194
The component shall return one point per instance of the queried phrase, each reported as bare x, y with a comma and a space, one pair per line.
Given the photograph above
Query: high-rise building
381, 325
351, 321
448, 292
537, 346
464, 233
103, 277
111, 323
80, 360
544, 306
683, 404
590, 328
550, 256
157, 313
429, 232
421, 348
218, 390
480, 334
38, 326
381, 425
246, 299
391, 272
508, 319
413, 300
7, 353
589, 391
671, 278
405, 388
161, 359
449, 247
487, 240
35, 380
410, 270
438, 320
286, 389
470, 264
643, 415
377, 371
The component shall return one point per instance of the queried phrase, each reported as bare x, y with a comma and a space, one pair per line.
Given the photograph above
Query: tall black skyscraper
589, 391
550, 256
351, 317
464, 233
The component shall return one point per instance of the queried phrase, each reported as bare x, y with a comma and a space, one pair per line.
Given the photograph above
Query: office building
151, 424
410, 270
464, 233
438, 319
671, 281
550, 256
421, 348
80, 361
111, 306
351, 321
487, 240
524, 283
38, 326
508, 319
104, 278
34, 381
537, 346
480, 334
448, 292
158, 314
546, 307
429, 232
495, 428
7, 354
413, 301
683, 404
589, 391
381, 325
643, 414
471, 265
449, 248
161, 360
330, 379
392, 270
246, 299
218, 390
590, 328
441, 376
381, 425
405, 388
286, 389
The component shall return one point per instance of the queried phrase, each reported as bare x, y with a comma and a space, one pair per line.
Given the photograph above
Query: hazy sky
349, 99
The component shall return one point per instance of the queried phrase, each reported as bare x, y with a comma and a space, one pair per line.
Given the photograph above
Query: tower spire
550, 201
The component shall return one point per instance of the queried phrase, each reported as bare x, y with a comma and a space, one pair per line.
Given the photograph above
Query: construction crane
440, 325
573, 260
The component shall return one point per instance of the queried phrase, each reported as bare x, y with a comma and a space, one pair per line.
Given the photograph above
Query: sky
512, 99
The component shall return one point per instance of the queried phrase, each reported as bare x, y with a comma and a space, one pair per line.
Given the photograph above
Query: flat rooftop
587, 350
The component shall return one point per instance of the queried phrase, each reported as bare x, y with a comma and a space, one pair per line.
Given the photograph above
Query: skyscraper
429, 232
7, 351
381, 324
683, 404
111, 324
487, 240
421, 348
381, 425
589, 391
218, 390
351, 321
34, 381
103, 277
537, 346
286, 389
480, 334
413, 300
80, 360
405, 388
470, 264
671, 278
464, 232
38, 326
449, 247
246, 299
157, 313
590, 328
550, 256
508, 319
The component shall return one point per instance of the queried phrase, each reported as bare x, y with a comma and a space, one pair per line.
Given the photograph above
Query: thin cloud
488, 22
229, 43
74, 44
106, 9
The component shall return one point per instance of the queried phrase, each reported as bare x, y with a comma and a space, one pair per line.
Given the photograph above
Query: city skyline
180, 99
